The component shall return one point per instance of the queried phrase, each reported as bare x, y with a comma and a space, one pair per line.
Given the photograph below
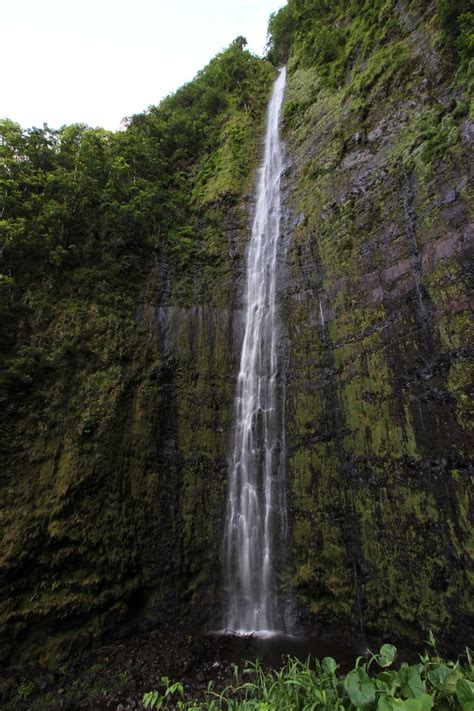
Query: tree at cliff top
84, 208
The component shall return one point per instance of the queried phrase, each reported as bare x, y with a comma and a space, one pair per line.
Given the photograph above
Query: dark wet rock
378, 442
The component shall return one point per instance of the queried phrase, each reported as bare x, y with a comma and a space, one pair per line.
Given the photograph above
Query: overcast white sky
97, 61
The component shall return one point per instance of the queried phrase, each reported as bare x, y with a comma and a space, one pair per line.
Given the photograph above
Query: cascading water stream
255, 528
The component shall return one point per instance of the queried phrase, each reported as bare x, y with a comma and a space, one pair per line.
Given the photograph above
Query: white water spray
255, 533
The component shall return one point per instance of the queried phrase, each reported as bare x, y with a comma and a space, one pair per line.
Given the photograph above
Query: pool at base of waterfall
270, 646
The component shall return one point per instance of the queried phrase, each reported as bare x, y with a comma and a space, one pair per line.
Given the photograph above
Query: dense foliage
373, 684
84, 209
77, 193
360, 53
338, 36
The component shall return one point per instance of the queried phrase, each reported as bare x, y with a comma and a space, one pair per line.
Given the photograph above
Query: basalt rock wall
115, 440
112, 508
378, 306
123, 326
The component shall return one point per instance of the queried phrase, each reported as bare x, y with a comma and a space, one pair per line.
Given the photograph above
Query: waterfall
255, 526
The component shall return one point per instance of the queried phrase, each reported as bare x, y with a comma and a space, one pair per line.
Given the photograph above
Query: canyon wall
117, 419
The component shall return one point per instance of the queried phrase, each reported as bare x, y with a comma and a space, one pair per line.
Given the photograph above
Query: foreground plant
374, 683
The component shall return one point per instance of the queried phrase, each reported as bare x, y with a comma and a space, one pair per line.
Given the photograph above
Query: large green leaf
426, 701
439, 676
329, 665
387, 655
360, 688
465, 694
414, 686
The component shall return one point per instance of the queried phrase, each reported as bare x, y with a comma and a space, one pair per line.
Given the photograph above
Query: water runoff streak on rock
256, 509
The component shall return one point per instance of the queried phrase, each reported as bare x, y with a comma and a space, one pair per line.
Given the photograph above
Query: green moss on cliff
123, 260
117, 370
377, 398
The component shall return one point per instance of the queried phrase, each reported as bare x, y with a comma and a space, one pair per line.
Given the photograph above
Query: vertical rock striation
378, 306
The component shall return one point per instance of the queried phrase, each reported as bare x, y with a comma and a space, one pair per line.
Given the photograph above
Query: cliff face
118, 411
119, 372
112, 510
378, 309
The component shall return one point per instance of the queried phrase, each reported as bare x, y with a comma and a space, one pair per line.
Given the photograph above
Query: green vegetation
342, 39
94, 227
85, 210
122, 260
430, 136
79, 196
377, 120
332, 36
453, 15
373, 684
